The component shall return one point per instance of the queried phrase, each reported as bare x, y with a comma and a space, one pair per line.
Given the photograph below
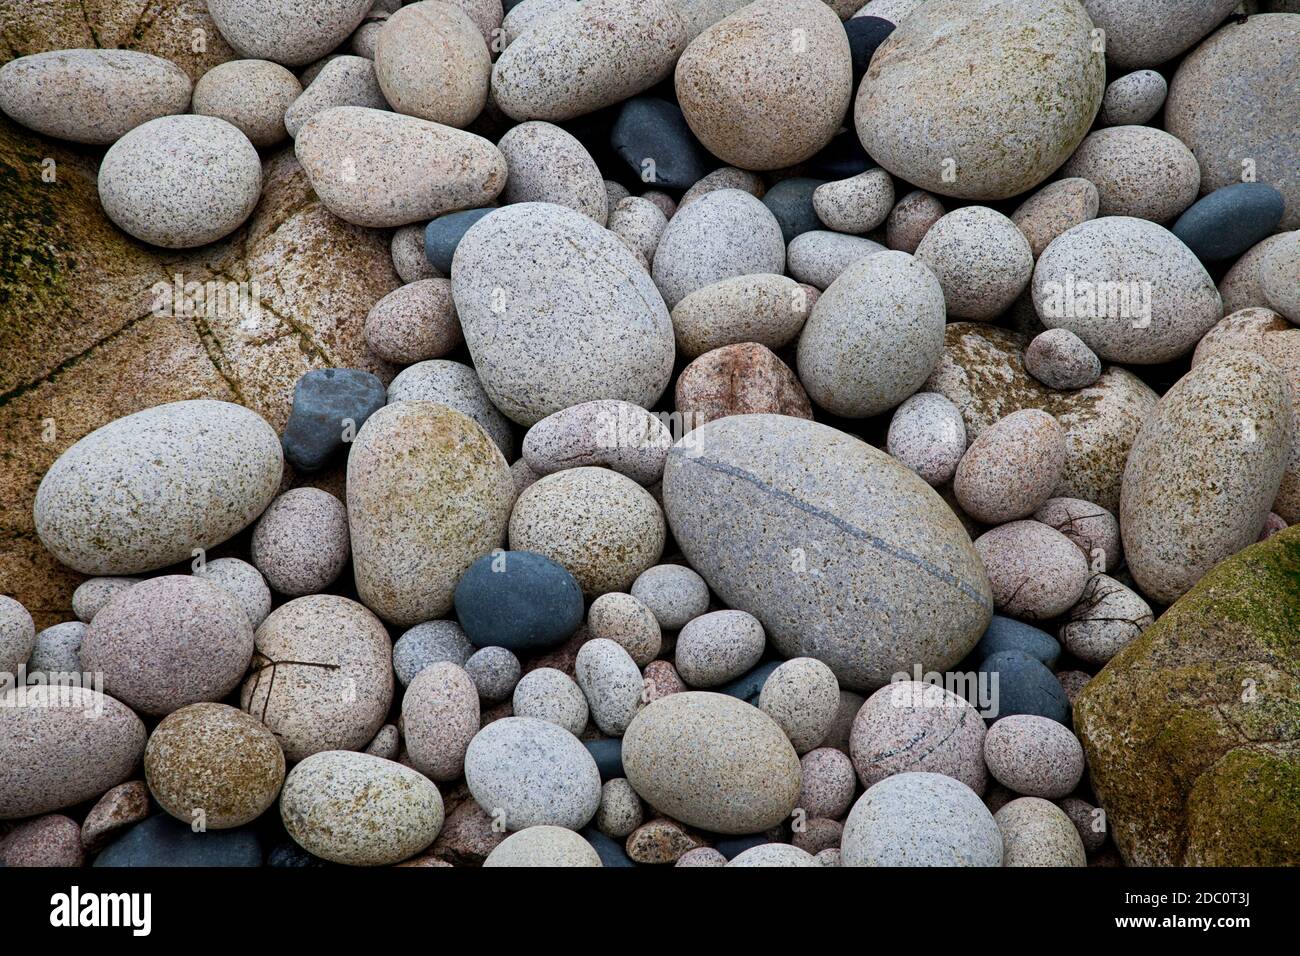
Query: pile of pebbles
758, 362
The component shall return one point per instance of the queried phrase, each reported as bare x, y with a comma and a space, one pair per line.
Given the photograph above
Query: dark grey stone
443, 235
791, 202
518, 600
165, 841
324, 401
652, 129
1228, 221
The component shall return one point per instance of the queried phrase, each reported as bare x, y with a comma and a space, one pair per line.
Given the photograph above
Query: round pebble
828, 783
440, 716
616, 435
17, 635
927, 434
763, 308
1138, 171
1034, 756
529, 772
93, 593
457, 386
817, 257
857, 205
1011, 468
1053, 209
639, 223
611, 681
673, 593
449, 88
773, 854
213, 766
910, 219
547, 164
983, 261
52, 840
519, 600
546, 846
429, 643
1060, 359
1277, 277
802, 696
1133, 99
495, 672
745, 379
910, 726
169, 641
601, 526
920, 819
1035, 571
1106, 619
244, 582
343, 81
717, 647
620, 809
1094, 529
1036, 832
301, 543
57, 649
180, 181
287, 31
414, 322
701, 856
550, 694
627, 622
251, 95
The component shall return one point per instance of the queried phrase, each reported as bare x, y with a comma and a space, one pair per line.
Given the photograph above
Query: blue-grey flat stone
1008, 634
1026, 686
748, 686
325, 400
165, 841
791, 202
610, 851
608, 755
443, 235
651, 130
1228, 221
518, 600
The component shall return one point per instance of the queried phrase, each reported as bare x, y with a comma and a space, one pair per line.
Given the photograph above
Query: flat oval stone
1011, 468
602, 526
180, 181
587, 56
380, 169
528, 281
548, 164
674, 593
874, 336
61, 746
1008, 634
802, 696
414, 323
628, 623
214, 765
1230, 100
611, 681
1060, 359
550, 694
162, 840
1128, 287
440, 716
1149, 34
718, 647
292, 32
530, 773
1228, 221
1108, 617
616, 435
1138, 171
360, 810
820, 257
766, 308
344, 81
185, 475
856, 205
728, 177
876, 521
455, 493
712, 761
450, 88
751, 101
168, 642
927, 434
920, 819
457, 386
724, 234
981, 102
322, 677
1025, 685
909, 726
519, 600
91, 96
1204, 471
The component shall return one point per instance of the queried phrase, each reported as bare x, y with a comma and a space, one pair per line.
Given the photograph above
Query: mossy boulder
87, 335
1193, 731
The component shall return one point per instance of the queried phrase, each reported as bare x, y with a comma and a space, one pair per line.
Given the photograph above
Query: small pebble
495, 672
1133, 99
1036, 572
620, 809
414, 322
674, 594
301, 542
1036, 832
1011, 469
717, 647
928, 435
802, 696
429, 643
1034, 756
244, 582
910, 220
1060, 359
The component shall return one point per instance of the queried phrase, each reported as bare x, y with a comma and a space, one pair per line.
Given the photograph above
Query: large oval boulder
767, 87
91, 96
842, 553
144, 491
428, 494
292, 32
61, 746
1204, 470
1192, 731
557, 311
712, 761
981, 100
